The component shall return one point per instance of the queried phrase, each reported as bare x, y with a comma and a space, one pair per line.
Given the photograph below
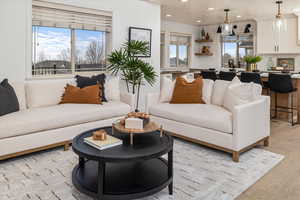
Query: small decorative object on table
149, 127
100, 135
102, 141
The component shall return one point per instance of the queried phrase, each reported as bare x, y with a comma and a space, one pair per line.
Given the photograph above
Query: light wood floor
283, 181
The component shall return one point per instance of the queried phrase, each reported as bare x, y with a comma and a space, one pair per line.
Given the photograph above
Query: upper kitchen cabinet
287, 42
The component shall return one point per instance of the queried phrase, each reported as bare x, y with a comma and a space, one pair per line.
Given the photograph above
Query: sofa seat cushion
59, 116
203, 115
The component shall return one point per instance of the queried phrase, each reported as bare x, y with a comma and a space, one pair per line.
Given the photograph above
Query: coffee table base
122, 180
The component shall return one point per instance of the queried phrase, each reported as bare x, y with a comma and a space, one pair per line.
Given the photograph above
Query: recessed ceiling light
198, 21
168, 15
210, 8
239, 16
184, 1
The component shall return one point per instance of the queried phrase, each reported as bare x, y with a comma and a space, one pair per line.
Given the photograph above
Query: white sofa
41, 123
211, 124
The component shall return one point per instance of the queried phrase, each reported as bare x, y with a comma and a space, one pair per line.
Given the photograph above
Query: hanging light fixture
280, 23
226, 28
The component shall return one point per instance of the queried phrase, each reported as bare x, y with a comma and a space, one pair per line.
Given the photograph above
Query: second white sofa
211, 124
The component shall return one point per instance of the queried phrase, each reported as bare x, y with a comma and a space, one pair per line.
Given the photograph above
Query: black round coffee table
125, 171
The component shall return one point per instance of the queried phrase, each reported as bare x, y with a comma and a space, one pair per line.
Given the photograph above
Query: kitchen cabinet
287, 42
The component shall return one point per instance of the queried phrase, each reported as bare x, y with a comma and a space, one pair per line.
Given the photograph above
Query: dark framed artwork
141, 34
286, 63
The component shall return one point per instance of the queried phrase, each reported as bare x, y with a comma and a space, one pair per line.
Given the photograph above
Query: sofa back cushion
41, 93
239, 93
187, 92
19, 88
112, 88
218, 93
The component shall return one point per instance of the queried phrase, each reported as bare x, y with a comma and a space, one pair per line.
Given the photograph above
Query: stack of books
105, 144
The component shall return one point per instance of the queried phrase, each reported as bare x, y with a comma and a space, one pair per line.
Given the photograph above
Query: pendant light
280, 23
226, 28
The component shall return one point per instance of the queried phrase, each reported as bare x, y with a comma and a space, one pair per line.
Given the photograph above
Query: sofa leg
236, 156
66, 146
267, 142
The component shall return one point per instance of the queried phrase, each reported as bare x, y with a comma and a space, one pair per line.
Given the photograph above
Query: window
179, 50
68, 40
236, 48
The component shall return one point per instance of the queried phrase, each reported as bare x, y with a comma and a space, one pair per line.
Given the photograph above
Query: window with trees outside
179, 50
69, 40
235, 48
67, 51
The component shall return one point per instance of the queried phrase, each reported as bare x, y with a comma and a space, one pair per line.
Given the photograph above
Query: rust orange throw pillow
87, 95
185, 92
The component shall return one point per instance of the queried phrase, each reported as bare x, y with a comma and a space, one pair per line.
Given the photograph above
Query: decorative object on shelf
288, 64
207, 37
252, 62
226, 28
100, 135
231, 63
270, 63
205, 50
233, 32
247, 28
280, 24
203, 36
134, 70
141, 34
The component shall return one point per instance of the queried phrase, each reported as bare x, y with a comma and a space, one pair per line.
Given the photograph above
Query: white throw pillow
45, 92
242, 93
19, 88
207, 90
112, 88
166, 90
219, 90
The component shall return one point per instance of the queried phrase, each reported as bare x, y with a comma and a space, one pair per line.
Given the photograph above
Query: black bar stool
227, 76
248, 77
209, 75
282, 83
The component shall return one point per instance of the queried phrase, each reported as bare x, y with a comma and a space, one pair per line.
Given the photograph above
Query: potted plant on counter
134, 70
252, 62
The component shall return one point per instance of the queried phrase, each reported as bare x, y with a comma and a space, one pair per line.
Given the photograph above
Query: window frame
178, 43
108, 44
237, 41
165, 51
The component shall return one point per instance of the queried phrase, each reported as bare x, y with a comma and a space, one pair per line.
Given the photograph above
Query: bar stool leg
275, 116
292, 105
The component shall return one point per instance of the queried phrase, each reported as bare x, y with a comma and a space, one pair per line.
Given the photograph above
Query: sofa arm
129, 99
251, 123
151, 99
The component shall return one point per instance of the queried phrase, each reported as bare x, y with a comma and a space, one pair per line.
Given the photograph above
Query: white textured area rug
199, 174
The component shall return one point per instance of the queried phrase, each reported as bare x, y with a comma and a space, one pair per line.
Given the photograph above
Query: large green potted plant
252, 62
134, 70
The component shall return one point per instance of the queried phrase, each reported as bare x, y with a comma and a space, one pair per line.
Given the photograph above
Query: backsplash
264, 66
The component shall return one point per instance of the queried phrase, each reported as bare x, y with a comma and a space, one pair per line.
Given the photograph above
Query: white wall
203, 62
215, 61
15, 33
169, 26
13, 37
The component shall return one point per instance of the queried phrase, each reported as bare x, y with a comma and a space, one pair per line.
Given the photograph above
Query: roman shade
66, 16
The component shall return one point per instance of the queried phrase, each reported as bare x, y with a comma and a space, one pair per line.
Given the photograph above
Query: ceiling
193, 10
